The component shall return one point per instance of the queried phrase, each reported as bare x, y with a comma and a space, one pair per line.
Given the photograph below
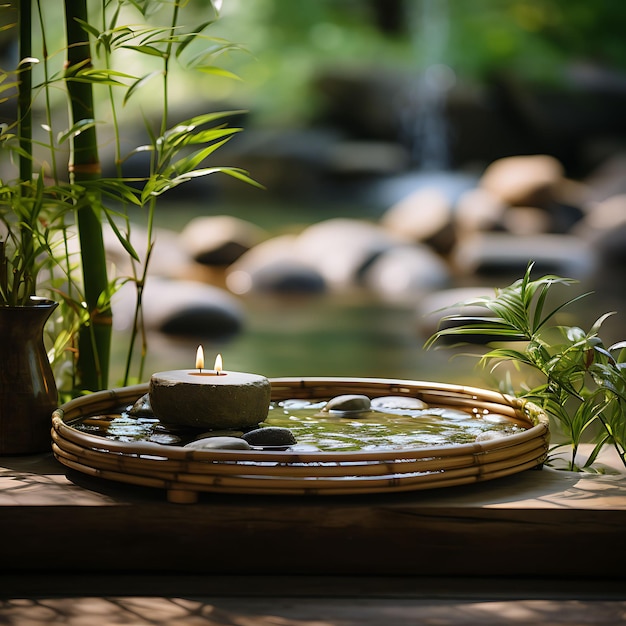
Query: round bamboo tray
184, 473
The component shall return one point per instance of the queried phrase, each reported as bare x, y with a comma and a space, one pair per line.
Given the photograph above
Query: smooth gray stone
348, 403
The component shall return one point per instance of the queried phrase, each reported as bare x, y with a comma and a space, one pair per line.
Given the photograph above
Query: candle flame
200, 358
218, 364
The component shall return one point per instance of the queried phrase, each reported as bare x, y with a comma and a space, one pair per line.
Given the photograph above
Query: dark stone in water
142, 407
270, 436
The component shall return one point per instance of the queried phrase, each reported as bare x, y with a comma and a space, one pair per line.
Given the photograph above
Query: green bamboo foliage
582, 382
178, 153
95, 337
34, 208
21, 203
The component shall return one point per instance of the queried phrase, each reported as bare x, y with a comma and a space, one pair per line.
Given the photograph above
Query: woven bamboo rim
184, 473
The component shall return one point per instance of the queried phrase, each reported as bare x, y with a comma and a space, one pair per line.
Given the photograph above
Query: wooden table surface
542, 546
531, 522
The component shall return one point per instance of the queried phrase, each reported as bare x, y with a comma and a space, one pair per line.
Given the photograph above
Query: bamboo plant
98, 94
582, 382
20, 203
84, 167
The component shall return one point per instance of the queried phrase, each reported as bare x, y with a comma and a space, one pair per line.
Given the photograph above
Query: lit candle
210, 399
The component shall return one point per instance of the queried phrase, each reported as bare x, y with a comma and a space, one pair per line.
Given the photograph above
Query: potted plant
47, 206
578, 380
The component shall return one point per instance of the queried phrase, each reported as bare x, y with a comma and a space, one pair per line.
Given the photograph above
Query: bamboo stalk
84, 167
25, 138
24, 95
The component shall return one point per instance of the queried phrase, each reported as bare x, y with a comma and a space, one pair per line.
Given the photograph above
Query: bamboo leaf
76, 129
241, 175
191, 37
88, 28
119, 190
146, 49
216, 71
207, 136
492, 330
508, 354
598, 323
596, 451
189, 164
8, 86
4, 27
207, 118
561, 307
154, 35
536, 324
463, 320
106, 73
139, 83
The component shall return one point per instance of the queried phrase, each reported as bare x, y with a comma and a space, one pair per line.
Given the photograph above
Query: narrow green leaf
76, 129
561, 307
191, 37
241, 175
122, 239
138, 84
207, 136
88, 28
216, 71
190, 163
145, 49
598, 323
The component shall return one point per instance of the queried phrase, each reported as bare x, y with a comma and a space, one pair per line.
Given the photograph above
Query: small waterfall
424, 117
422, 111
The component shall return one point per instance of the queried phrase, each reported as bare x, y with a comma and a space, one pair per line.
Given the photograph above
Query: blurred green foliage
535, 40
290, 43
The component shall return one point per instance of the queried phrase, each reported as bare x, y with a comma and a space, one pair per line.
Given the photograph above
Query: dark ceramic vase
28, 393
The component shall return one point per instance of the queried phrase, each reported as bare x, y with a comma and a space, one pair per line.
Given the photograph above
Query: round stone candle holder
210, 399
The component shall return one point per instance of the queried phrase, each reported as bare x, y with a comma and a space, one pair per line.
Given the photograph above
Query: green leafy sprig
583, 383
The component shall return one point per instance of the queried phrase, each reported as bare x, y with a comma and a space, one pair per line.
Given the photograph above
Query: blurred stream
346, 334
